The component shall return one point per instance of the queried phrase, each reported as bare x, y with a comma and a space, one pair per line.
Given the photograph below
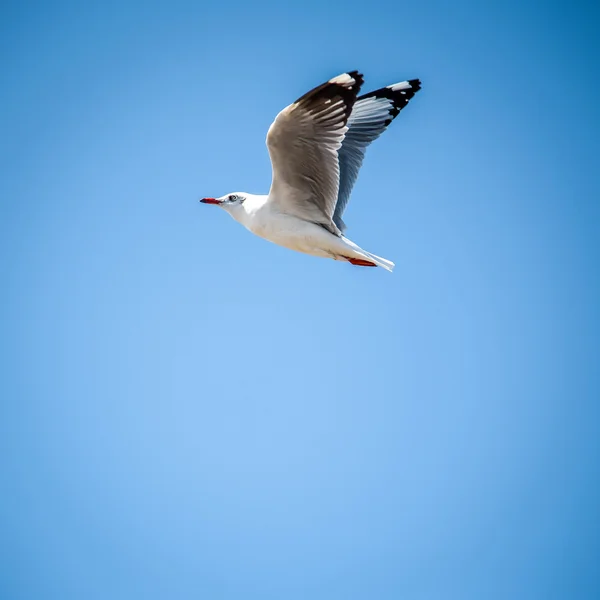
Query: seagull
317, 146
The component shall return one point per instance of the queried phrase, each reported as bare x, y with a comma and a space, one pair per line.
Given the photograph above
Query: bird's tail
388, 265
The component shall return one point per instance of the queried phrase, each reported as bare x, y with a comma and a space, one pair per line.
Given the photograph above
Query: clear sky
191, 412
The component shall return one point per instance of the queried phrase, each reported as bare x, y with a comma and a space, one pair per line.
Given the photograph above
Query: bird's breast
293, 233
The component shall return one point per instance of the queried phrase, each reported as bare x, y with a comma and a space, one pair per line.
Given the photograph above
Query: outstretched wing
370, 116
303, 144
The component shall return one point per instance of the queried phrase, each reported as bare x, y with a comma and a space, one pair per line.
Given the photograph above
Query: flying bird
317, 146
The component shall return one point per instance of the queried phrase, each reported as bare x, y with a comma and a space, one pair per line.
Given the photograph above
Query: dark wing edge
371, 115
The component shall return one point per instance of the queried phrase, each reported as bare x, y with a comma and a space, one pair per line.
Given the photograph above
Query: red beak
210, 201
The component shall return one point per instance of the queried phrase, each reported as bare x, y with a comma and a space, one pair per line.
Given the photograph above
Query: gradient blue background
191, 412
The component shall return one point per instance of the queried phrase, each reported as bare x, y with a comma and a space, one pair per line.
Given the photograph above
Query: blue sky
189, 411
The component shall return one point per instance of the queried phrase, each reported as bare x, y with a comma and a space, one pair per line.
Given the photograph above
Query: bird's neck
246, 213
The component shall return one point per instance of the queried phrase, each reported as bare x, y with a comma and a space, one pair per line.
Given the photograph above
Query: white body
260, 215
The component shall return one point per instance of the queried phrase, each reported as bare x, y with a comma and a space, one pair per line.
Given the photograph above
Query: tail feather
388, 265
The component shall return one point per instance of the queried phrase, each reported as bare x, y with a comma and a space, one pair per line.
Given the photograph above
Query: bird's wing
370, 116
303, 144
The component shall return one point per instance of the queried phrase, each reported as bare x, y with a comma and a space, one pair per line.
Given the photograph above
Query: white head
239, 205
230, 202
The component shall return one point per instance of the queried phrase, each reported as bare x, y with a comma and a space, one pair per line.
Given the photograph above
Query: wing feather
303, 144
370, 117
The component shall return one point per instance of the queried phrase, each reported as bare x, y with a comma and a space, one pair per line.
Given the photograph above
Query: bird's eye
232, 197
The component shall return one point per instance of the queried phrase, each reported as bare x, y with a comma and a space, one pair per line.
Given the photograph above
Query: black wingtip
415, 83
345, 86
357, 76
398, 97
